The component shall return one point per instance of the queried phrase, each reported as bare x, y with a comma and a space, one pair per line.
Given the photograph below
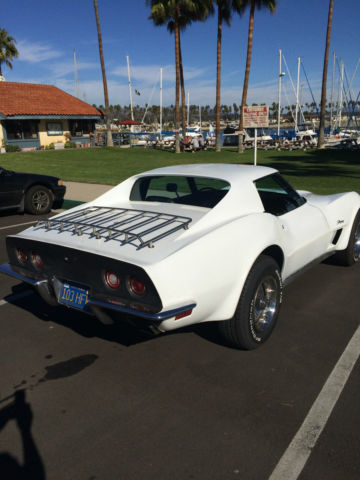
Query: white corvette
187, 244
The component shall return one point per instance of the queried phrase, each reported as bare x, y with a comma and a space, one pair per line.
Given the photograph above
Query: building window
21, 129
81, 128
54, 128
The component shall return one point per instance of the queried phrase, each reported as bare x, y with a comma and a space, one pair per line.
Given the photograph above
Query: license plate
74, 297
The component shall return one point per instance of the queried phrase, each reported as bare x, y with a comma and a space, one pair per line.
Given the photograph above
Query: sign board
256, 117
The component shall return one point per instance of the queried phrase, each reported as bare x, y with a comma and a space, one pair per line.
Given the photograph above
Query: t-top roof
33, 99
234, 173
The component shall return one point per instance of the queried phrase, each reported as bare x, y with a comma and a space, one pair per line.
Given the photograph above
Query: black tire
38, 200
351, 254
258, 308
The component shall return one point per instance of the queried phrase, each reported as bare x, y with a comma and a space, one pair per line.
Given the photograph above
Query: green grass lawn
320, 171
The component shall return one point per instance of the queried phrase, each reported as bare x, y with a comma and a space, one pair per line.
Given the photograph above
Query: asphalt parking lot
107, 402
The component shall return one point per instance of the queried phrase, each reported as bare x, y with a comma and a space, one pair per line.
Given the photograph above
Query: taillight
112, 280
136, 287
183, 314
21, 256
37, 260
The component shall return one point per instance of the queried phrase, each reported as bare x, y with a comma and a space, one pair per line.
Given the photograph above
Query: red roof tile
33, 99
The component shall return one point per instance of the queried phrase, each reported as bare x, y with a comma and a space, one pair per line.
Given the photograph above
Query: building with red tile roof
34, 116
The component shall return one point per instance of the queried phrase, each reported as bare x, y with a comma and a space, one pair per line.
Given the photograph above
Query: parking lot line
293, 460
18, 225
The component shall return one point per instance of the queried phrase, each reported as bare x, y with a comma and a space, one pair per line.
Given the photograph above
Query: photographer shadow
32, 467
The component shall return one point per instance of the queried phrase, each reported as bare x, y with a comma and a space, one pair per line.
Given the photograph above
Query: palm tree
169, 12
258, 4
109, 141
177, 15
8, 51
225, 9
321, 140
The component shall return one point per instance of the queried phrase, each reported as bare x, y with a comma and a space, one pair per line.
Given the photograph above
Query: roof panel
33, 99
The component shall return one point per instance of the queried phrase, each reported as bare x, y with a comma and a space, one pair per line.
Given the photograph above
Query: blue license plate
74, 297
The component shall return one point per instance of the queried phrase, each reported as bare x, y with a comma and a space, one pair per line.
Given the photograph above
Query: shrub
70, 145
12, 148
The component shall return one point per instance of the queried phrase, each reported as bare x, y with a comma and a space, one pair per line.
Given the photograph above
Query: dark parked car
30, 192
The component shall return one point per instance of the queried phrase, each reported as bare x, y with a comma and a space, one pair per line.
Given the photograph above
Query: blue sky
48, 32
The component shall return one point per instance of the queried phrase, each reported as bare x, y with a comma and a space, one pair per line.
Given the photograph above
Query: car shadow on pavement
126, 330
122, 331
32, 467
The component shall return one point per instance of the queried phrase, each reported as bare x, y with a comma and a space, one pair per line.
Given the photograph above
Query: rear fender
212, 270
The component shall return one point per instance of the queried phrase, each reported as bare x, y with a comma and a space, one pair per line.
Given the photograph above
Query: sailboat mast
130, 92
340, 97
76, 76
281, 74
332, 96
188, 109
297, 95
161, 78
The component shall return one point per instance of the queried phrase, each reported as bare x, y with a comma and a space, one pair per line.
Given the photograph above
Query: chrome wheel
265, 304
259, 304
40, 200
357, 243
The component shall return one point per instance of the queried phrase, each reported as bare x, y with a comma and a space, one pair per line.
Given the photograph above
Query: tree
258, 4
177, 15
106, 96
8, 51
225, 9
321, 139
236, 109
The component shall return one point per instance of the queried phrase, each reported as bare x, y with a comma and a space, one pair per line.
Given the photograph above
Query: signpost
255, 117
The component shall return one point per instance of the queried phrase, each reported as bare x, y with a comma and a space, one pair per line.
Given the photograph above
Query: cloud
64, 68
35, 52
149, 74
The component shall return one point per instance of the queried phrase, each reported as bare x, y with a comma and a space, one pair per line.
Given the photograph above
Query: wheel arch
275, 252
38, 184
345, 234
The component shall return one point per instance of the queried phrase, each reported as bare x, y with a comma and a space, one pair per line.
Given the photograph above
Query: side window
277, 196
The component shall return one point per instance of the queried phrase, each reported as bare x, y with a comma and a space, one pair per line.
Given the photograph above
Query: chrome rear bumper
45, 288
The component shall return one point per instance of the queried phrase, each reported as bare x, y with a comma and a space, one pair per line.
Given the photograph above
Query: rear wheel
38, 200
258, 308
351, 254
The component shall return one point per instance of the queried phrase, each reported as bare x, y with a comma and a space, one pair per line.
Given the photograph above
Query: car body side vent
336, 236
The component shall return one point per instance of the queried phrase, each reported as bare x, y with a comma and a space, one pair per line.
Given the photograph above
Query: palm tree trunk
321, 139
183, 101
218, 79
106, 96
247, 74
177, 85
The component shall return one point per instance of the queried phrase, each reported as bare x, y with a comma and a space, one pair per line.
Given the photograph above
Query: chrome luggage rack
125, 225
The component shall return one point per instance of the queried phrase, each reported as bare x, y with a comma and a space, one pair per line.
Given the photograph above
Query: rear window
197, 191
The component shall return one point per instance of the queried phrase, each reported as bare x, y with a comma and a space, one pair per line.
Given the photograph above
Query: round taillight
21, 256
112, 280
37, 260
136, 287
